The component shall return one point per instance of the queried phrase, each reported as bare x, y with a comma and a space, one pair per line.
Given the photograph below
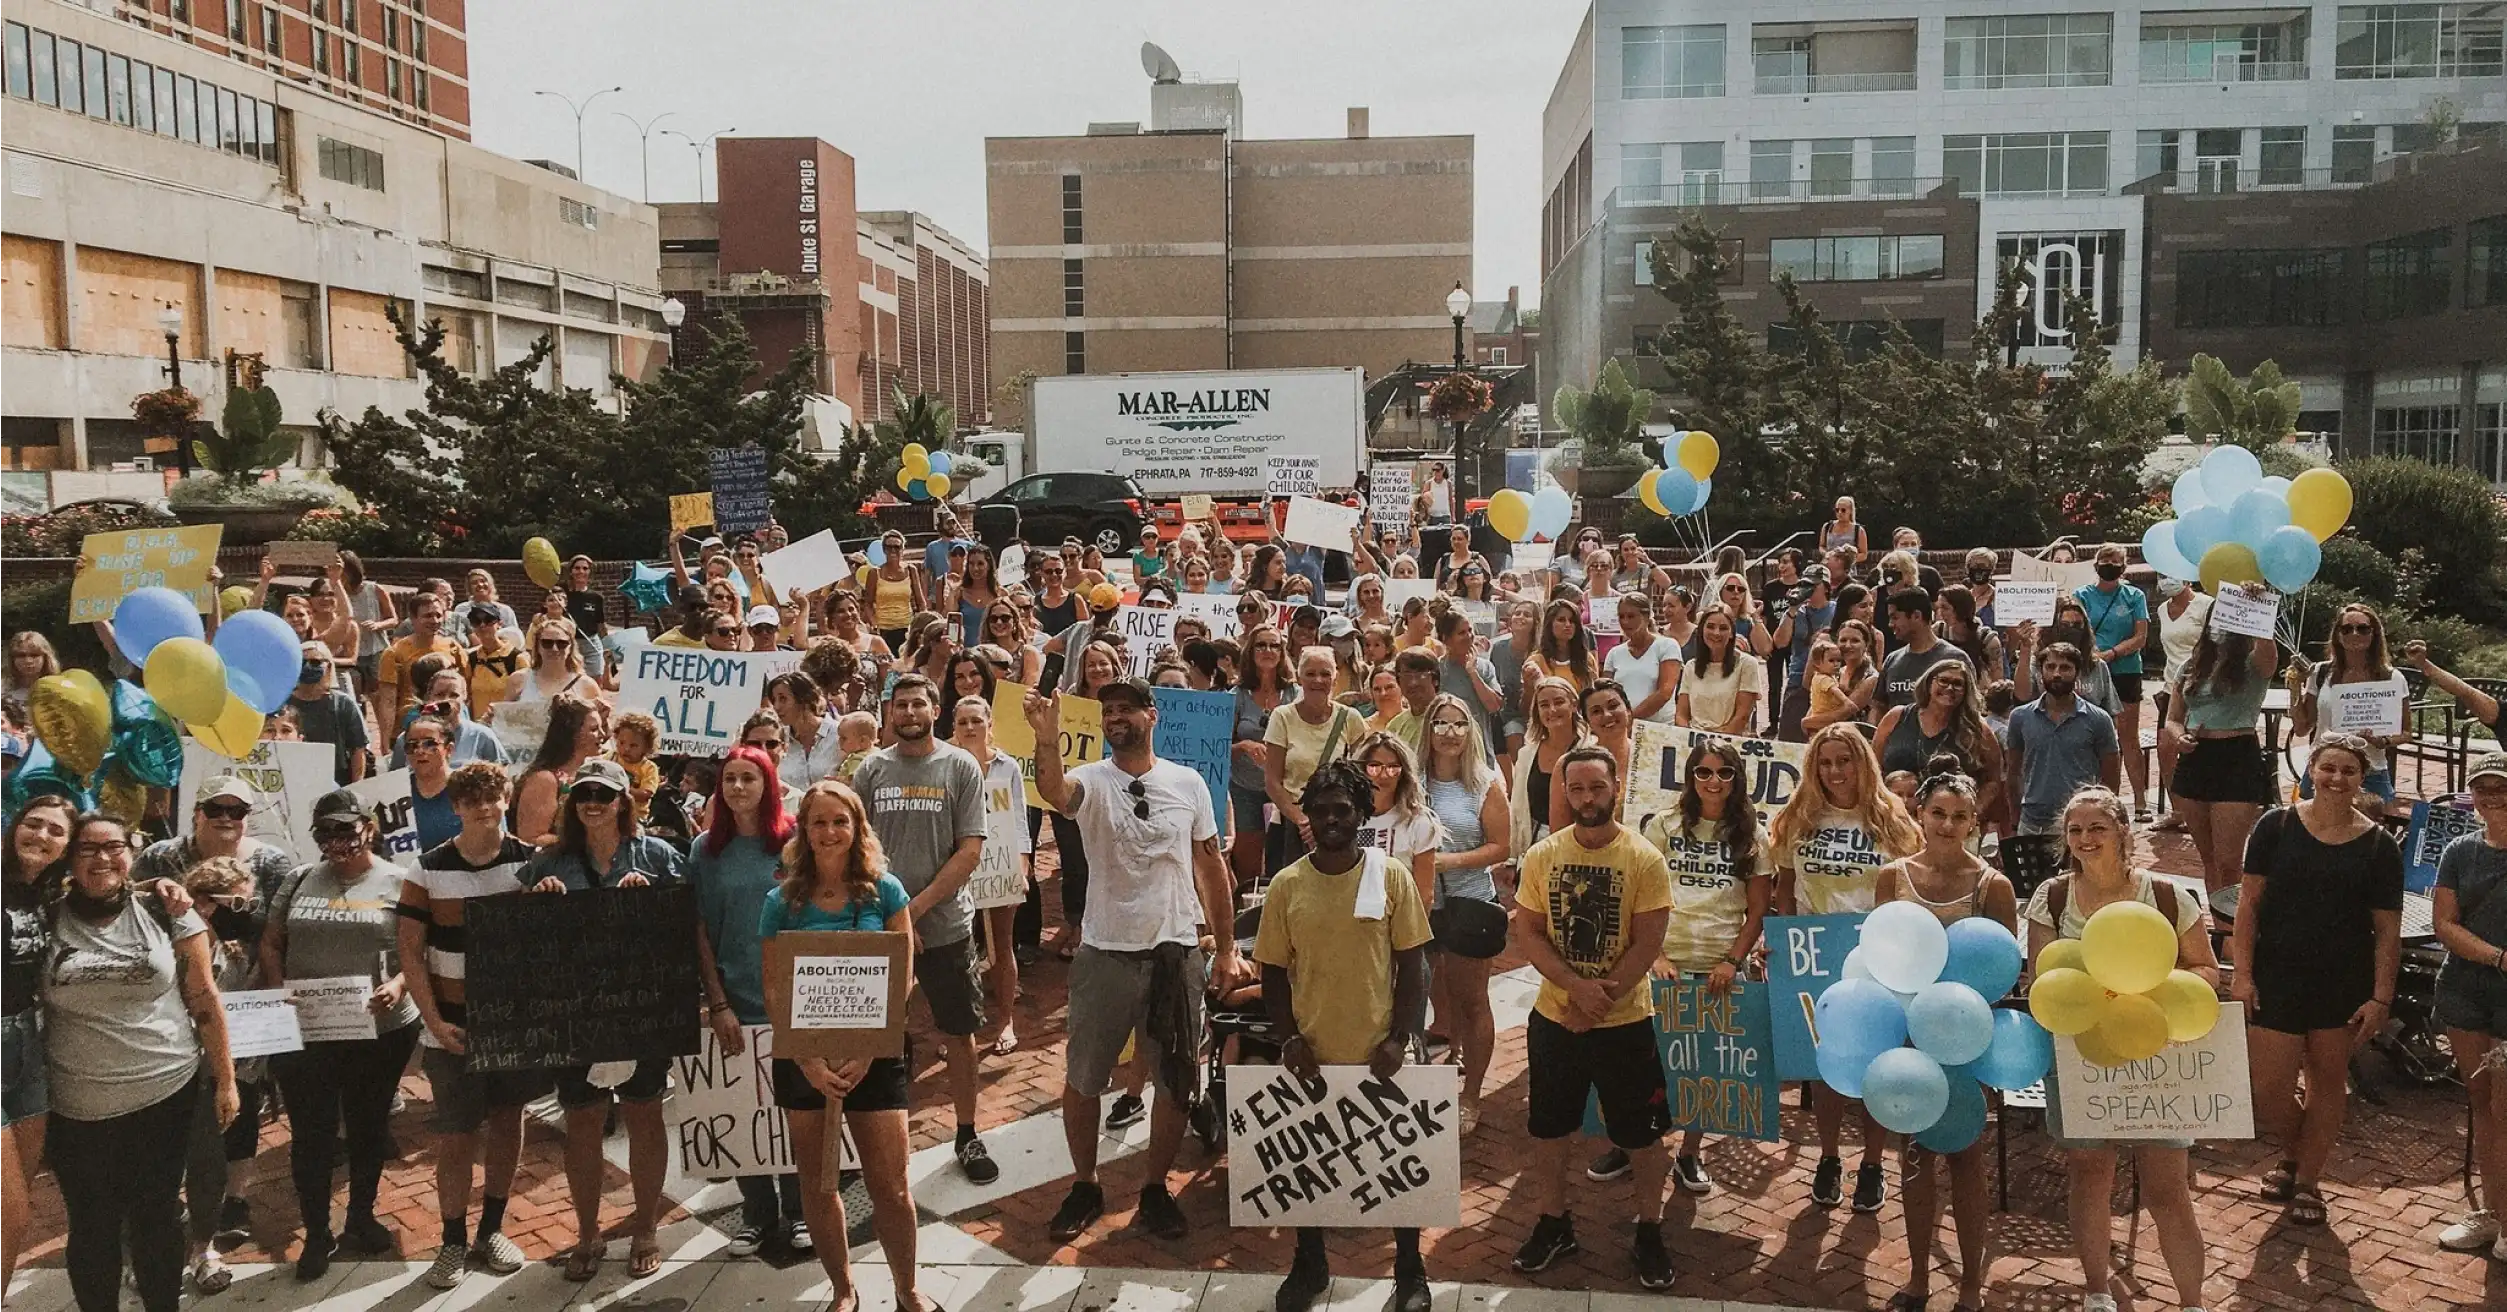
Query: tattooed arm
200, 998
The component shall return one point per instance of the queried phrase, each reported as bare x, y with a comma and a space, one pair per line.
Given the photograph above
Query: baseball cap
1338, 626
609, 774
339, 803
765, 617
2490, 764
478, 615
1815, 574
709, 542
1306, 615
1135, 689
221, 786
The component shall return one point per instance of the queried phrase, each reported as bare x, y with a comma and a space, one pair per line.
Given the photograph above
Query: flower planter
1596, 482
245, 525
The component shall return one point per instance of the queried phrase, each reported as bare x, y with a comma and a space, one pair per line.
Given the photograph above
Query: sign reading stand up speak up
836, 995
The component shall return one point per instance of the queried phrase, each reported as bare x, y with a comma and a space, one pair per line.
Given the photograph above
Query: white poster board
2017, 602
2071, 576
333, 1008
2256, 616
260, 1022
395, 814
1398, 592
723, 1119
1292, 476
1147, 632
1315, 522
840, 993
1000, 878
1531, 556
1389, 495
291, 777
812, 563
1601, 614
1216, 609
1389, 1151
2196, 1090
697, 696
2366, 708
520, 727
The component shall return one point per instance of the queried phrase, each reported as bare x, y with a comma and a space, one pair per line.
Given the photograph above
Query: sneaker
1411, 1292
1828, 1182
450, 1262
1553, 1237
367, 1235
313, 1257
796, 1236
1127, 1111
747, 1240
1652, 1259
1159, 1215
235, 1219
2498, 1251
2477, 1230
1691, 1173
1611, 1165
1304, 1285
211, 1275
1081, 1208
976, 1163
2097, 1303
1869, 1186
497, 1253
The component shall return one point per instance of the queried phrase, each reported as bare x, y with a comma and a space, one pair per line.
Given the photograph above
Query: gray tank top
1458, 809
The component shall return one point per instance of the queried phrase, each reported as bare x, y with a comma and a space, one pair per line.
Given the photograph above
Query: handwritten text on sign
579, 978
1772, 770
699, 698
260, 1022
333, 1009
115, 565
723, 1119
1719, 1061
1349, 1150
395, 814
1197, 730
1805, 954
2196, 1090
1147, 632
2233, 611
2021, 602
1292, 476
1083, 738
740, 492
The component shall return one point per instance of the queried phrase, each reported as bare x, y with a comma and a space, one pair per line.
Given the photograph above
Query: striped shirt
433, 895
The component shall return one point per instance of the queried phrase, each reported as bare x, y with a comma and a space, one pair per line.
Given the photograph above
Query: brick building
406, 58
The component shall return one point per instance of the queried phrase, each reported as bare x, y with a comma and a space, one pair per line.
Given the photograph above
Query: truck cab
1005, 458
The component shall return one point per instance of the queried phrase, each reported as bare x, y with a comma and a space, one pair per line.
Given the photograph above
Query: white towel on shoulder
1370, 905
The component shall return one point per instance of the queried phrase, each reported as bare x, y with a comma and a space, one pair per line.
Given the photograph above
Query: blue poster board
1198, 729
1719, 1060
1805, 954
2433, 826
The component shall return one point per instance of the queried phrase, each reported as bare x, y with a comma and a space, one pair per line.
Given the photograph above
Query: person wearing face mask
324, 714
2057, 744
1981, 562
221, 812
2119, 626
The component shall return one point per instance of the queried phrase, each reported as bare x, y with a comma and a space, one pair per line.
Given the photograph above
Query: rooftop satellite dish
1159, 65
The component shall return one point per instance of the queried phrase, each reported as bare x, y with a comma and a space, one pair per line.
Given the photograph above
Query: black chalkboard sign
740, 503
575, 978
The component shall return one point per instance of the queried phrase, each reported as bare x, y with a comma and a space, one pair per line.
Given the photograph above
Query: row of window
353, 164
85, 79
242, 30
2024, 51
1889, 258
2400, 278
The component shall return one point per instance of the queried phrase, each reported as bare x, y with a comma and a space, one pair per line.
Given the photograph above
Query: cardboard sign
2367, 709
1719, 1060
839, 996
1805, 954
1198, 730
723, 1119
2071, 577
2197, 1090
114, 565
290, 777
260, 1022
1083, 732
740, 496
691, 510
520, 727
1147, 631
2016, 603
1292, 476
1000, 878
1773, 769
1349, 1150
578, 978
1389, 494
698, 696
395, 814
1315, 522
301, 557
2233, 611
1196, 507
812, 563
332, 1009
1215, 609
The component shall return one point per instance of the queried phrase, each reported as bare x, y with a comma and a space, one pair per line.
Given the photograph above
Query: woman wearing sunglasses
2355, 660
597, 847
222, 820
1463, 791
556, 665
340, 916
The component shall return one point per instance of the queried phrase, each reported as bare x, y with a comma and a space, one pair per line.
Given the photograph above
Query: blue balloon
918, 490
2020, 1054
40, 774
2158, 546
1552, 511
259, 646
2276, 485
1962, 1121
1676, 488
2188, 492
876, 553
150, 616
1950, 1023
940, 462
145, 738
2228, 472
2289, 557
647, 588
2201, 529
1859, 1015
1984, 956
2254, 515
1705, 489
1842, 1069
1905, 1090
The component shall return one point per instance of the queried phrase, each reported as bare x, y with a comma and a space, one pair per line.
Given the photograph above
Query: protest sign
1805, 954
2196, 1090
812, 563
1348, 1150
1719, 1060
691, 510
260, 1022
839, 996
1147, 631
333, 1008
290, 777
1083, 737
1528, 556
1318, 523
2016, 602
1398, 592
2071, 576
2373, 710
1773, 769
723, 1117
395, 815
583, 977
1292, 476
520, 727
2256, 615
1216, 609
2434, 825
740, 498
1000, 878
1196, 507
301, 557
1483, 616
1389, 496
698, 697
1197, 730
114, 565
1601, 614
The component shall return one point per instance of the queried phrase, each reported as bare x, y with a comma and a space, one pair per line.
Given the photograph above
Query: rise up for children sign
699, 697
1347, 1150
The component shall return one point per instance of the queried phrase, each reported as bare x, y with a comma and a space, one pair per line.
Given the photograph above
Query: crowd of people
1416, 790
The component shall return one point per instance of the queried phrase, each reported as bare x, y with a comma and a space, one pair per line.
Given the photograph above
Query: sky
911, 89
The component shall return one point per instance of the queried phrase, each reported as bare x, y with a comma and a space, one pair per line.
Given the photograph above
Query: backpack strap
2058, 896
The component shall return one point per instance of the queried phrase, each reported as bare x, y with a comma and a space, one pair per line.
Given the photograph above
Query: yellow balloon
188, 679
123, 797
916, 454
2134, 1029
2128, 947
905, 479
2229, 562
2319, 502
1647, 493
1510, 513
937, 485
233, 733
2095, 1050
539, 561
73, 717
1700, 453
918, 467
2067, 1001
2190, 1005
232, 600
2061, 954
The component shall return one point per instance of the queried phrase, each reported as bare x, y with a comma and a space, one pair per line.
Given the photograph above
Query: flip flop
1006, 1044
644, 1258
2306, 1206
583, 1263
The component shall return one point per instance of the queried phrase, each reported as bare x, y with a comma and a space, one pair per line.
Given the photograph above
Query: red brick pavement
2394, 1182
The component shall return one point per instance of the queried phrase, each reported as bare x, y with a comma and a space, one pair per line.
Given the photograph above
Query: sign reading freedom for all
699, 697
114, 565
1348, 1150
1805, 954
1774, 769
2196, 1090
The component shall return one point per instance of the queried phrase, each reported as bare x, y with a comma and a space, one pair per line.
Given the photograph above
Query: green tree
1716, 368
247, 440
2255, 412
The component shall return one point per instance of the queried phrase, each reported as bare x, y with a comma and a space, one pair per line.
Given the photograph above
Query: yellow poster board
114, 565
1083, 733
691, 510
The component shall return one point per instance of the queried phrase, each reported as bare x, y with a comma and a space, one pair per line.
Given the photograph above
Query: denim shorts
25, 1090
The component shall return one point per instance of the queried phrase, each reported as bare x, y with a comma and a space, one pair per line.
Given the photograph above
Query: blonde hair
1876, 808
565, 629
1534, 732
1476, 770
2102, 799
800, 876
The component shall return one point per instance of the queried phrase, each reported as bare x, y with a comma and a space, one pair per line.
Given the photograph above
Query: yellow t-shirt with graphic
1592, 896
1835, 865
1710, 891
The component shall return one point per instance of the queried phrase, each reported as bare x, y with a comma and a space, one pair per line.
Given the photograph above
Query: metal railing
2290, 70
1800, 84
1727, 191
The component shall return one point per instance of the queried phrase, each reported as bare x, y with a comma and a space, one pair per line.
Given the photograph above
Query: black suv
1104, 510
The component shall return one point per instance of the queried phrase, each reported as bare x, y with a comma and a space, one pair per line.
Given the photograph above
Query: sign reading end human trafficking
1347, 1150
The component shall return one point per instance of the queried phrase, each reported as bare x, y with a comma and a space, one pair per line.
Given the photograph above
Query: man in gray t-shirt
1918, 649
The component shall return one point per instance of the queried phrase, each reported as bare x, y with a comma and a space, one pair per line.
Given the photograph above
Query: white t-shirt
1712, 694
1403, 839
1639, 672
2324, 708
2179, 634
1140, 885
1710, 891
1440, 495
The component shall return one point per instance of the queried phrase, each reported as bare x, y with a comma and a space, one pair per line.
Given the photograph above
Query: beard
1122, 734
2061, 687
911, 732
1592, 817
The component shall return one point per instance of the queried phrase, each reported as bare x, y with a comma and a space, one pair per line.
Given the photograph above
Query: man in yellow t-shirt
1344, 976
426, 638
1590, 911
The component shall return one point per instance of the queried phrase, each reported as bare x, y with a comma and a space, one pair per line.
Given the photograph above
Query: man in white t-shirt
1152, 839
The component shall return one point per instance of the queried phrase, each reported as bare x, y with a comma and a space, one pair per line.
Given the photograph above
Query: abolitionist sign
1348, 1150
571, 979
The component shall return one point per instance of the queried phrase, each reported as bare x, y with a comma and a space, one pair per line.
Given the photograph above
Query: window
269, 116
186, 108
46, 79
208, 116
270, 30
247, 127
319, 11
1855, 259
1075, 353
391, 78
21, 83
2027, 163
358, 166
464, 282
1861, 338
2258, 289
2224, 52
1671, 172
1072, 228
1893, 166
1671, 63
418, 78
1832, 166
118, 88
235, 27
2283, 158
2485, 259
1771, 170
180, 11
1074, 290
73, 97
569, 210
1497, 355
229, 138
92, 61
391, 28
2354, 153
2029, 50
2155, 155
2419, 432
167, 126
2396, 41
2409, 275
143, 97
1728, 249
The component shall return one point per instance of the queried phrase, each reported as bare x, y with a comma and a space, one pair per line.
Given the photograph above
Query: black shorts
2127, 688
2223, 770
1619, 1063
2472, 996
2296, 999
948, 978
884, 1087
575, 1089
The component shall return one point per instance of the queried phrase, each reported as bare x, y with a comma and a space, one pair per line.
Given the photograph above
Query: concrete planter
245, 525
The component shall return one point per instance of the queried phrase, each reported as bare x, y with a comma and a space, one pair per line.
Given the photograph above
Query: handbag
1468, 927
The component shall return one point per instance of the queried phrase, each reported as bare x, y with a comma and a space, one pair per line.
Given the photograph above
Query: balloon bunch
2116, 989
2234, 525
1912, 979
106, 747
1682, 486
221, 691
925, 473
1544, 514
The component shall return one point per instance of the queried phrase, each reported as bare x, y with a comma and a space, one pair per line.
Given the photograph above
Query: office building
152, 182
406, 58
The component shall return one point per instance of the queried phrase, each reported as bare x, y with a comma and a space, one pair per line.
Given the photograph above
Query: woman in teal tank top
2223, 778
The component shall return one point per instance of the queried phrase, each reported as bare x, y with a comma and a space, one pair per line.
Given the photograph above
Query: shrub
2448, 513
2450, 638
58, 532
2352, 564
294, 494
2286, 460
2311, 610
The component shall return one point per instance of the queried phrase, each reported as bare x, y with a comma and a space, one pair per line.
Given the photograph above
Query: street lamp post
579, 109
644, 135
674, 313
170, 322
698, 144
1466, 474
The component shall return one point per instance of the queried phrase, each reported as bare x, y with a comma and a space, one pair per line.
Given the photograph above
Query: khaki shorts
1110, 1000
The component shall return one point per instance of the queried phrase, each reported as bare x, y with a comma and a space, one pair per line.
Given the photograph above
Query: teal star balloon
646, 587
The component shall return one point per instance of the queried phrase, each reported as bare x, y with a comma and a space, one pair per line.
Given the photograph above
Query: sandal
644, 1258
2280, 1182
1007, 1043
2306, 1206
584, 1262
210, 1274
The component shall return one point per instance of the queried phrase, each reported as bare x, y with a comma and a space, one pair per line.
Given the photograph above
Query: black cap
341, 802
1130, 688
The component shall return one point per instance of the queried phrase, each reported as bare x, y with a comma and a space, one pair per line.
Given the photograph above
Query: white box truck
1212, 432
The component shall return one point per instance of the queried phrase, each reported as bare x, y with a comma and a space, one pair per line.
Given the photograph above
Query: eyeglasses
1383, 767
1140, 800
555, 644
1714, 772
1449, 726
425, 745
594, 794
98, 851
225, 810
2354, 628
